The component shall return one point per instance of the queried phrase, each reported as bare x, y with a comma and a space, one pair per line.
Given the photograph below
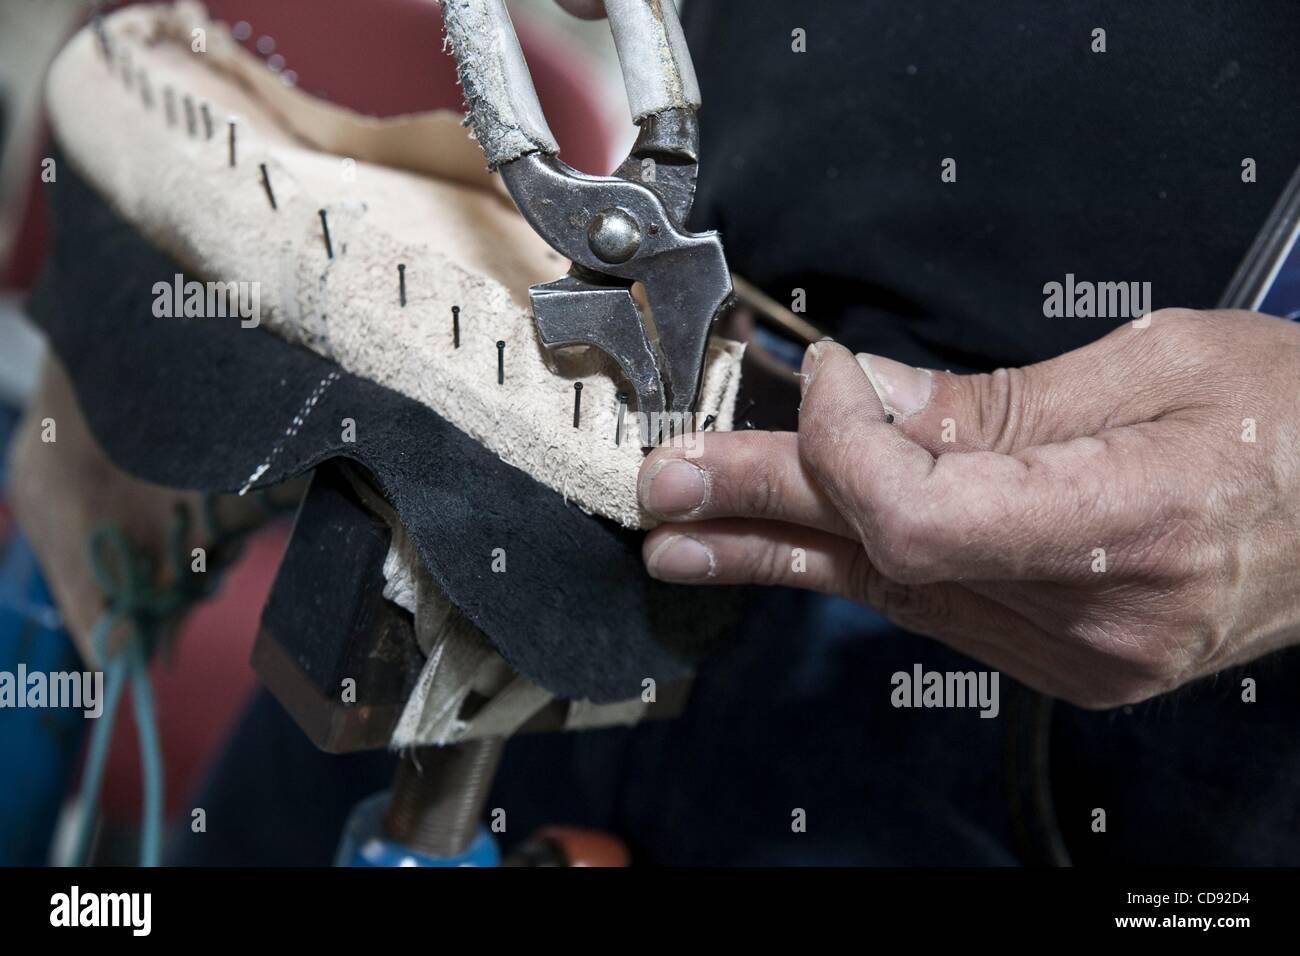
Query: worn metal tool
617, 230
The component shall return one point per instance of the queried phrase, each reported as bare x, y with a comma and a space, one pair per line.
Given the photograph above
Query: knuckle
1136, 663
902, 549
1206, 640
876, 588
1180, 353
1179, 552
1146, 659
1175, 320
758, 493
1179, 332
1168, 537
1196, 638
922, 610
769, 566
998, 407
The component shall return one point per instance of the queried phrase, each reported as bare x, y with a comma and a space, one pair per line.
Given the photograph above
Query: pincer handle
501, 101
657, 69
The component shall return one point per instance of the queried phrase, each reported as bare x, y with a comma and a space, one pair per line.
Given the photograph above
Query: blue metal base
365, 844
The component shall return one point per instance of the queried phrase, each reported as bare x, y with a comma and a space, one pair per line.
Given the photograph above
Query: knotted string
142, 609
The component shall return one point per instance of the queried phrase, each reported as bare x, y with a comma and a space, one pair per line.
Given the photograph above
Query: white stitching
292, 430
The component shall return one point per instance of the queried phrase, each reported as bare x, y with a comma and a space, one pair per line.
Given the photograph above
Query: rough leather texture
196, 403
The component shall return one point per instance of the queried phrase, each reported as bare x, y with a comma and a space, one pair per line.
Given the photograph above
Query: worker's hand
587, 9
1103, 526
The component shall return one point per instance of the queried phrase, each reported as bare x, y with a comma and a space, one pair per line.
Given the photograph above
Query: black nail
146, 91
266, 183
325, 227
577, 403
501, 363
191, 124
169, 104
207, 121
232, 142
889, 419
455, 326
401, 283
708, 422
622, 409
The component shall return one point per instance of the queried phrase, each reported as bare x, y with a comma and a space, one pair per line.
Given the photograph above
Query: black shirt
823, 168
823, 171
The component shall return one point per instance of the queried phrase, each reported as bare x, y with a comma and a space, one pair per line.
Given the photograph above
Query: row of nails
170, 109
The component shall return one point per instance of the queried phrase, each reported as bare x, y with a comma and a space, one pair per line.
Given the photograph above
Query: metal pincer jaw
616, 230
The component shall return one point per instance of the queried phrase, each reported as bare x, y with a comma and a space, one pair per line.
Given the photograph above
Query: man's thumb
1075, 394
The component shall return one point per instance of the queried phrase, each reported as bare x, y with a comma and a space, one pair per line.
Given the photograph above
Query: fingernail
809, 365
902, 389
809, 360
812, 355
681, 558
674, 487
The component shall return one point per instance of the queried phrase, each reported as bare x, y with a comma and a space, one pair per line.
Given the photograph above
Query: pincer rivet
614, 235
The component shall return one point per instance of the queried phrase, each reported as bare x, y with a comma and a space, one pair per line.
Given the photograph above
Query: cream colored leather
411, 190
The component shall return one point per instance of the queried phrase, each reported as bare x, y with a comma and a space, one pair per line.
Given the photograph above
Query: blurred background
379, 57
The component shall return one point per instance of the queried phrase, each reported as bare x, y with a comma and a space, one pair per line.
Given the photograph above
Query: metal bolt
614, 235
437, 799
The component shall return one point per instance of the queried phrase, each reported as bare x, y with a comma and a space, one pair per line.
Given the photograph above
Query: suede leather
205, 404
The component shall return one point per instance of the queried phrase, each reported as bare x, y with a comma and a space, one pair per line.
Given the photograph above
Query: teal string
127, 581
93, 776
146, 728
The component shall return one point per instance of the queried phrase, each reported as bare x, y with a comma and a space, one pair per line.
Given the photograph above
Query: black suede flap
205, 404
